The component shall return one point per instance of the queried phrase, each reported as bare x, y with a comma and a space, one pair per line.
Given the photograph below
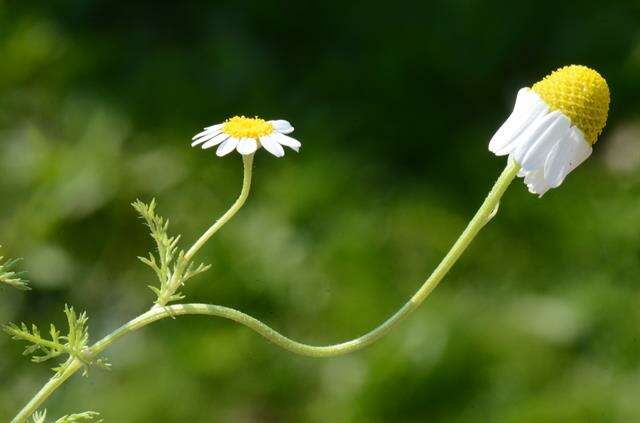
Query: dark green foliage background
394, 104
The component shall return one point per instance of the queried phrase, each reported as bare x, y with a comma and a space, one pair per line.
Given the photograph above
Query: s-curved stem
484, 214
247, 161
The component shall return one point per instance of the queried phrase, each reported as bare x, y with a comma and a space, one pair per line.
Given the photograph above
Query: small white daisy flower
553, 126
246, 135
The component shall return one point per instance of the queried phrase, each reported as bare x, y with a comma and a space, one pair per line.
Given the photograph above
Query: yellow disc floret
581, 94
244, 127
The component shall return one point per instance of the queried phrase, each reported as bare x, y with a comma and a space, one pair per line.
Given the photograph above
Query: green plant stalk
244, 193
247, 162
74, 364
484, 214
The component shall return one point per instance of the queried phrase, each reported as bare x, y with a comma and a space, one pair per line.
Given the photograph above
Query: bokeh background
394, 104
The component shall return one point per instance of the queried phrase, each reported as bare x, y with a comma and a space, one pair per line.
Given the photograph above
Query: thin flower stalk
480, 219
550, 132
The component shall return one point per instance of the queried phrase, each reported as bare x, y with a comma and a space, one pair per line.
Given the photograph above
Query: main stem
73, 364
480, 219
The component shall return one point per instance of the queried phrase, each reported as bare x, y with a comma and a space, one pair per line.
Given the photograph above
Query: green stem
246, 186
480, 219
70, 367
174, 284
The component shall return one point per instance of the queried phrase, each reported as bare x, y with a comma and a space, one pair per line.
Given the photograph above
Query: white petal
582, 149
288, 141
215, 140
285, 131
535, 182
525, 100
523, 134
199, 134
532, 133
227, 147
247, 146
567, 155
272, 146
528, 107
207, 130
282, 126
206, 137
557, 165
534, 156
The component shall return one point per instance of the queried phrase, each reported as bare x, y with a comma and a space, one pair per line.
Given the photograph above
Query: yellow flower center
581, 94
244, 127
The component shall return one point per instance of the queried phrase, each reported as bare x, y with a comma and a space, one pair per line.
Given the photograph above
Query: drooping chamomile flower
246, 135
553, 126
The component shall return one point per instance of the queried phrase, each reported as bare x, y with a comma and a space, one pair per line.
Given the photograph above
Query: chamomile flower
246, 135
553, 126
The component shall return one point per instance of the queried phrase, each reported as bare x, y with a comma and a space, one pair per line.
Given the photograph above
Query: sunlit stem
480, 219
247, 161
71, 366
246, 186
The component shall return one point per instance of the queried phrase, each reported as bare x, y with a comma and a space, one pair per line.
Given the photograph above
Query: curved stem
174, 284
246, 186
70, 367
480, 219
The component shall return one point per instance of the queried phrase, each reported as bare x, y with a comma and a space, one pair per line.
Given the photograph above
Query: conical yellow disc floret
581, 94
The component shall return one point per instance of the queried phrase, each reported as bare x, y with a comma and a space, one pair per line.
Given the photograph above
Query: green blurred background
394, 104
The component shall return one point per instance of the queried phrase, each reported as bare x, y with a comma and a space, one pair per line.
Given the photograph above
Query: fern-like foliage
74, 343
39, 417
87, 416
169, 263
9, 276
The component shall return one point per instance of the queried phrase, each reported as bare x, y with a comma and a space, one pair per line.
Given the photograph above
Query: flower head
553, 126
246, 135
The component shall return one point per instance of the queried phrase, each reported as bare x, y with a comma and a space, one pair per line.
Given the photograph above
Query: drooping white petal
293, 143
557, 165
532, 133
282, 126
272, 146
533, 155
247, 146
535, 181
566, 156
544, 144
215, 140
525, 100
529, 106
581, 151
227, 147
214, 127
